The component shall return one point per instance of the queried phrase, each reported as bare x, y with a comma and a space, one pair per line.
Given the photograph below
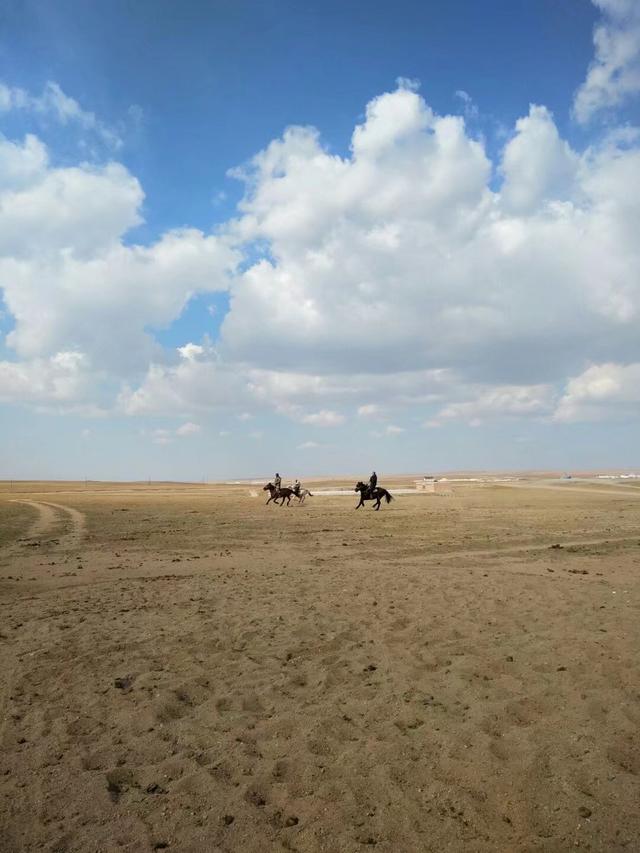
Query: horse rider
277, 482
296, 488
373, 482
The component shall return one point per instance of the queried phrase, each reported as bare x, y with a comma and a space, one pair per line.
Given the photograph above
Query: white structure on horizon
426, 484
618, 476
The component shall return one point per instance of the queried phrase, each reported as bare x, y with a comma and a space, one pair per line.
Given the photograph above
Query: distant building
426, 484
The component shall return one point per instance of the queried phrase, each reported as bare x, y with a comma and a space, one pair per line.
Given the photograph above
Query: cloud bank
415, 276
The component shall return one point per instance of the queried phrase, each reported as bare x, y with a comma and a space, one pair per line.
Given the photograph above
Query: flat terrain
183, 668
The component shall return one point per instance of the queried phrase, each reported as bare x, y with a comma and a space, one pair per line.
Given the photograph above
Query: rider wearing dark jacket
373, 482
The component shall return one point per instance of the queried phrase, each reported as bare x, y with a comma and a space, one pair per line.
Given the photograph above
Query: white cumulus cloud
402, 259
602, 391
61, 378
69, 280
614, 74
499, 402
323, 418
537, 164
188, 428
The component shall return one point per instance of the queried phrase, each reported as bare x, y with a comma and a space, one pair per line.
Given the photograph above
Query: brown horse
282, 492
377, 494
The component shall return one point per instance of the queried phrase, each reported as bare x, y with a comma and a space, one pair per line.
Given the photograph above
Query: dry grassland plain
185, 668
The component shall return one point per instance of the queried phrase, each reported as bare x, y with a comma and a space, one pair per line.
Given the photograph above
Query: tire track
45, 521
50, 517
77, 520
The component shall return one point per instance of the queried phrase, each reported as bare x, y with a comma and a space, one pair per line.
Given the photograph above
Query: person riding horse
277, 481
377, 494
373, 482
296, 488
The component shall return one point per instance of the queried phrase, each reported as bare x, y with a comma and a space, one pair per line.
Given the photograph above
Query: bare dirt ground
183, 668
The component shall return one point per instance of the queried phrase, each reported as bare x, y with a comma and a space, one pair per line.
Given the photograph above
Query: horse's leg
360, 504
377, 506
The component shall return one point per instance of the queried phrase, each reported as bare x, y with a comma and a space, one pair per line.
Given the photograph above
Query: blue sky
318, 237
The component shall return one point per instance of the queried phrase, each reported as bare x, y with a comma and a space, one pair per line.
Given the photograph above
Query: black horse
377, 494
282, 492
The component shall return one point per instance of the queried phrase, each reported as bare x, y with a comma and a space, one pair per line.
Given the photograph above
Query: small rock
257, 799
561, 669
292, 821
584, 811
370, 668
556, 546
510, 658
123, 683
228, 819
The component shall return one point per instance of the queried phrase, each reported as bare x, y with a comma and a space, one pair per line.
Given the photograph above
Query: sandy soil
183, 668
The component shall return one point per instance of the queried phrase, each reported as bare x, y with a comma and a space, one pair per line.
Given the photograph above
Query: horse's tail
310, 495
388, 496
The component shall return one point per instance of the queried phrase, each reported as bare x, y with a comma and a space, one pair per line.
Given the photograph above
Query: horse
302, 495
282, 492
377, 494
